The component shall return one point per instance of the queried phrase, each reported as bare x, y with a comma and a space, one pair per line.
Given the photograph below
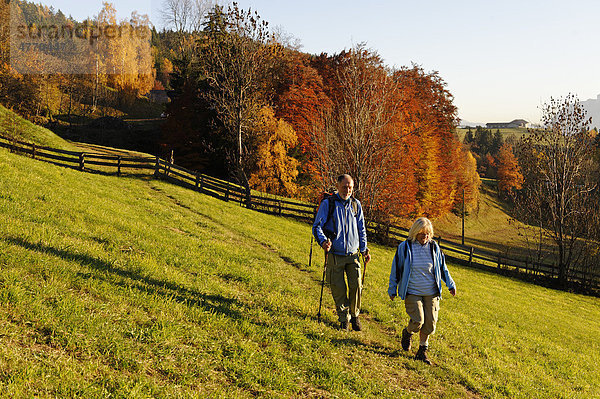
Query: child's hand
453, 291
392, 297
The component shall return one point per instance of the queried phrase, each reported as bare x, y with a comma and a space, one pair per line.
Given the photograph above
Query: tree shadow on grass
212, 303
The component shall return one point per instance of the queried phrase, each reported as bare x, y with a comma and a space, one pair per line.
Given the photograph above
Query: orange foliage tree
299, 100
509, 172
393, 130
354, 135
431, 150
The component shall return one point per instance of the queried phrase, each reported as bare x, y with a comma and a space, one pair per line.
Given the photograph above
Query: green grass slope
12, 125
122, 287
489, 226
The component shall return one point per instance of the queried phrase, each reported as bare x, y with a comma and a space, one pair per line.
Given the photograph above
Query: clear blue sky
501, 59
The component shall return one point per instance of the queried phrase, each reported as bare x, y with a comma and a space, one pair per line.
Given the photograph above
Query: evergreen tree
468, 136
496, 143
482, 140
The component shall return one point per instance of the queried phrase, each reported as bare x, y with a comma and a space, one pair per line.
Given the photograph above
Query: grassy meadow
15, 126
131, 287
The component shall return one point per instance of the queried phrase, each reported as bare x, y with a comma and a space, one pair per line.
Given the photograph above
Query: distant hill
592, 106
464, 123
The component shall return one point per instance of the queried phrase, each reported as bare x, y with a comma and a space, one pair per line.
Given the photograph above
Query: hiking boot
422, 355
405, 342
355, 324
344, 325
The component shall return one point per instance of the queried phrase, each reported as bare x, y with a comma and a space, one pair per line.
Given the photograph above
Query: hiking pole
312, 238
364, 268
322, 285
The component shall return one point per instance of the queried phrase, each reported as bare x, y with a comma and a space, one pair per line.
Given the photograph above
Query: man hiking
340, 230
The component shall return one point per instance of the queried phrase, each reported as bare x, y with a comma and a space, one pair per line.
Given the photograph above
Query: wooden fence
83, 161
499, 262
229, 191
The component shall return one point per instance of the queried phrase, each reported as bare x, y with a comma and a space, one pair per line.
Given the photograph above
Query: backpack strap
331, 209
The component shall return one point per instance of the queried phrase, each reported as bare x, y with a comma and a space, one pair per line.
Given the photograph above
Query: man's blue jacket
350, 228
401, 268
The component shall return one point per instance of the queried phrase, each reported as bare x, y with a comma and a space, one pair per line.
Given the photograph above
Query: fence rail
78, 160
498, 262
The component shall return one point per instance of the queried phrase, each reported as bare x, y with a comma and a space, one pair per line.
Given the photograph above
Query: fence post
499, 261
81, 161
201, 183
119, 165
227, 193
279, 204
248, 198
157, 166
471, 257
197, 180
33, 150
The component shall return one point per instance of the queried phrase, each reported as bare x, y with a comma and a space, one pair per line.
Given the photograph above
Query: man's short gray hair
342, 177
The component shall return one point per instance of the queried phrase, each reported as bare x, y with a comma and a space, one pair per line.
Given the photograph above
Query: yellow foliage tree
468, 178
125, 51
275, 170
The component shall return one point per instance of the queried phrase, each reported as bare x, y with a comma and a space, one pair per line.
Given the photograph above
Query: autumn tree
123, 57
235, 57
468, 180
355, 136
560, 180
275, 170
396, 130
429, 118
509, 172
300, 99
